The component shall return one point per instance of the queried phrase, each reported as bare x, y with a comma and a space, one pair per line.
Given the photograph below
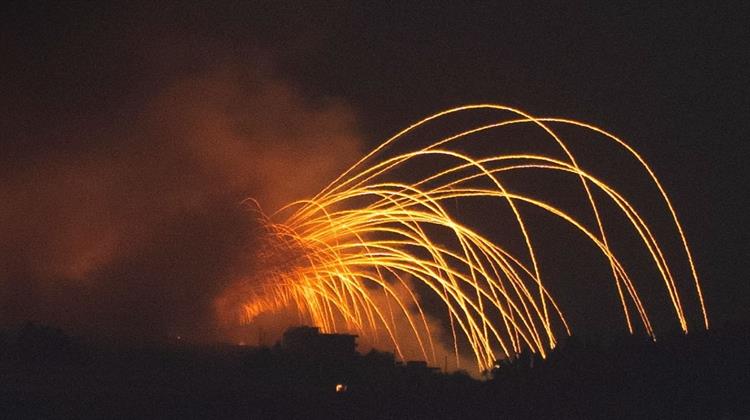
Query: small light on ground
340, 388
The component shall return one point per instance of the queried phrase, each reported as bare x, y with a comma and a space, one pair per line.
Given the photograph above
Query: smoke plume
121, 202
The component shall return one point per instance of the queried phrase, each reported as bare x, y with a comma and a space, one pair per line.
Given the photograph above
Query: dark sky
129, 131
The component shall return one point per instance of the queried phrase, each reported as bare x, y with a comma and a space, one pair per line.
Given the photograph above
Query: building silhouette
310, 342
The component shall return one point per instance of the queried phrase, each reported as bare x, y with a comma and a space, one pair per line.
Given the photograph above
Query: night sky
131, 133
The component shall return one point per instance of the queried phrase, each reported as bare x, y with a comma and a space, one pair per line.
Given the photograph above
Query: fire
344, 257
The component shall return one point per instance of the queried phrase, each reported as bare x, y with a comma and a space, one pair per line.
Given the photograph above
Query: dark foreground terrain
47, 374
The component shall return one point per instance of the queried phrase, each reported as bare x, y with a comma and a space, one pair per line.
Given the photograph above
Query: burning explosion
360, 254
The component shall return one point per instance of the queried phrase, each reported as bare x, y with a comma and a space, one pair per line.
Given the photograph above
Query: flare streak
344, 257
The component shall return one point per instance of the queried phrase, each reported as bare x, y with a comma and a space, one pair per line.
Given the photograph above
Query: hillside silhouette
45, 373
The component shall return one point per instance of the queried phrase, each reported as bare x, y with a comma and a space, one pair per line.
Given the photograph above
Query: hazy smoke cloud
128, 220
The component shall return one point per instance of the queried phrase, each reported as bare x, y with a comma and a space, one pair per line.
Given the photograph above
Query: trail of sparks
368, 235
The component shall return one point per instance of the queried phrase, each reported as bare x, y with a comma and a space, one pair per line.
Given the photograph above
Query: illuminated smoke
136, 228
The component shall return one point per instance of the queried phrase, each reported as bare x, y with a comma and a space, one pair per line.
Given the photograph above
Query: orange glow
339, 257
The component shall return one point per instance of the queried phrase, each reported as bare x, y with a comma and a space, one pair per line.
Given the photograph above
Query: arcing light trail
349, 258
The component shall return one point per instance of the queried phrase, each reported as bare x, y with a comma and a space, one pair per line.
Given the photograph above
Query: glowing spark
368, 235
